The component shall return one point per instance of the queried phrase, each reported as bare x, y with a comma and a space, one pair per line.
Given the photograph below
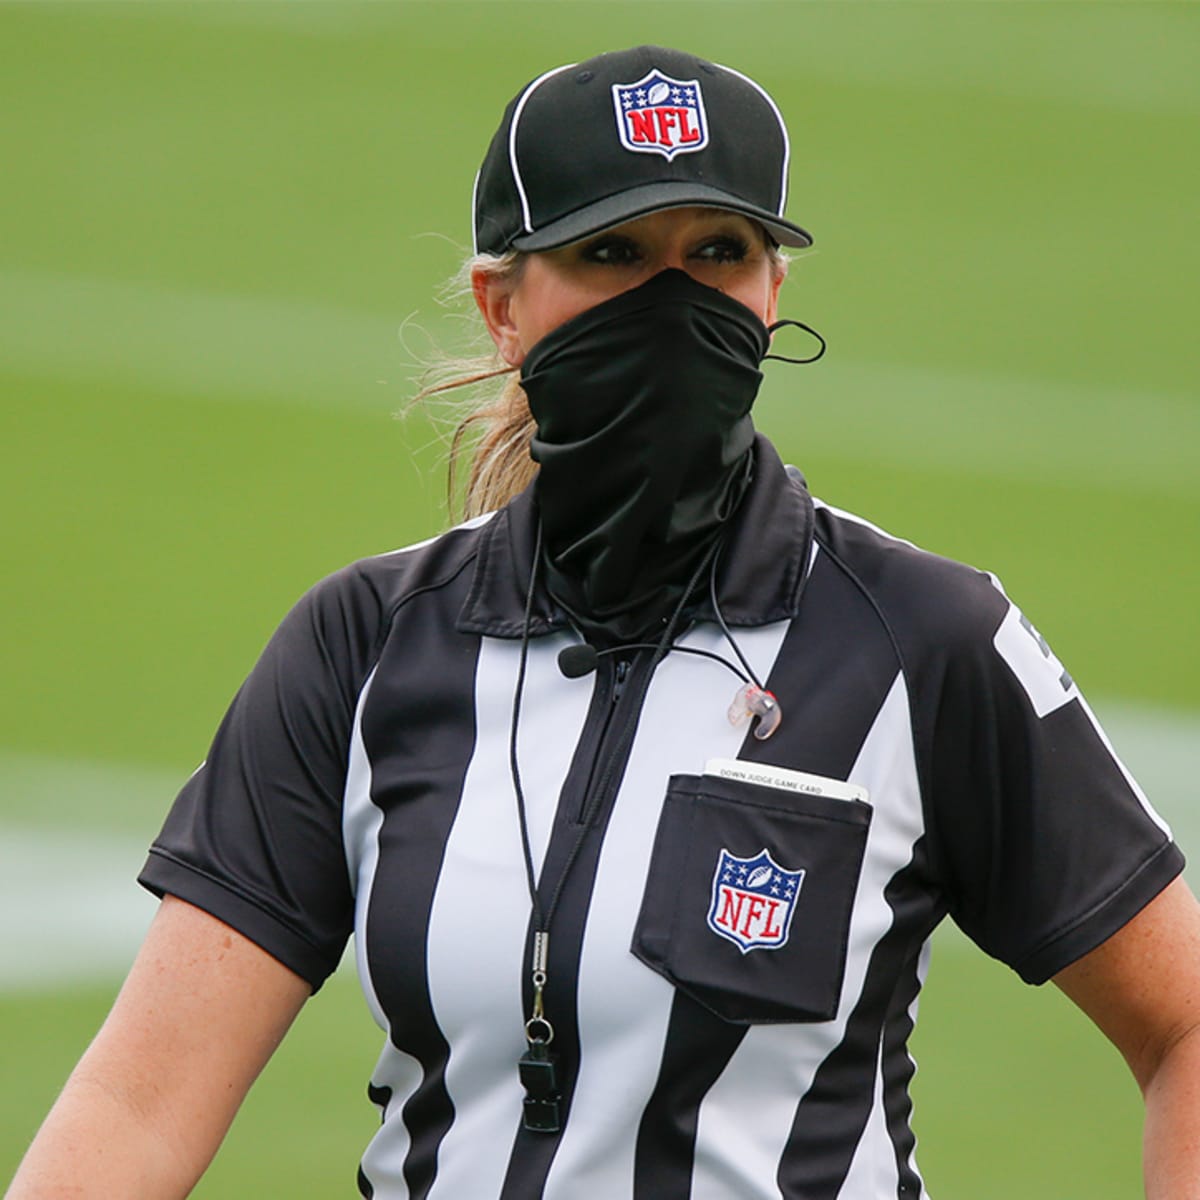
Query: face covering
642, 406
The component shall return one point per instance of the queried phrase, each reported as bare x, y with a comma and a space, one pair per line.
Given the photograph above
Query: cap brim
654, 197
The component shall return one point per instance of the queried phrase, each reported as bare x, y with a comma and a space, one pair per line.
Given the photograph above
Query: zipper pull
622, 673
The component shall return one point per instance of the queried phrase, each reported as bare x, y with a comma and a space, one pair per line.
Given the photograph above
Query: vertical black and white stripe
362, 778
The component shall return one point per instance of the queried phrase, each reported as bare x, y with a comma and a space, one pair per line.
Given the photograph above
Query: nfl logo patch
661, 115
753, 900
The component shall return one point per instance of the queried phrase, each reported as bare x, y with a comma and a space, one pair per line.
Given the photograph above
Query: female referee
642, 791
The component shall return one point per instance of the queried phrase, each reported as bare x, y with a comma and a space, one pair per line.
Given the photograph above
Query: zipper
619, 724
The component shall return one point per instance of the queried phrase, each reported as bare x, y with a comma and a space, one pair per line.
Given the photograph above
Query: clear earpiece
752, 701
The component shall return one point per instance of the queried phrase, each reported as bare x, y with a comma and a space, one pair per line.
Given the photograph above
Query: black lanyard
539, 1066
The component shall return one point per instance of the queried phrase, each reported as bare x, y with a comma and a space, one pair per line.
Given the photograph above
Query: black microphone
577, 661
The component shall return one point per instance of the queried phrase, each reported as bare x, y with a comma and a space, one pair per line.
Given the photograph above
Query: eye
612, 250
726, 248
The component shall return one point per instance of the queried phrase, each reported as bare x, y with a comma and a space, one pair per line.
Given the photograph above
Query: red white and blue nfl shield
661, 115
753, 900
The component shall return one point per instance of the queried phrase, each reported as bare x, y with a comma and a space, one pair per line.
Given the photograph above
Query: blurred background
223, 228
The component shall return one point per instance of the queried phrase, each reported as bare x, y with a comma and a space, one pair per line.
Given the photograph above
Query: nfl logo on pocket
753, 900
661, 115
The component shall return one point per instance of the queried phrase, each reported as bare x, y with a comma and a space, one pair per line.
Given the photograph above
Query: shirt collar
759, 577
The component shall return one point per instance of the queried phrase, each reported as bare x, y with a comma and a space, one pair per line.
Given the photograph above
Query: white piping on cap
787, 149
512, 142
474, 212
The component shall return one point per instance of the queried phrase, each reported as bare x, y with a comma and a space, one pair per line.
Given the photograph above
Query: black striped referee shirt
737, 953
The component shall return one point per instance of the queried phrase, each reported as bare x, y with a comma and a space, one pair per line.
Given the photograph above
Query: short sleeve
1046, 843
255, 836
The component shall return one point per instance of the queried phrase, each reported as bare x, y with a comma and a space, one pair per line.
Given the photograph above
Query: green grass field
222, 228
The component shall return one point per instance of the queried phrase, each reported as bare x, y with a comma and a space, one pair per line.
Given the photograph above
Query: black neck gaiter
642, 406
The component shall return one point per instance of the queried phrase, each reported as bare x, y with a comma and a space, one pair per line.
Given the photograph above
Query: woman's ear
493, 295
778, 275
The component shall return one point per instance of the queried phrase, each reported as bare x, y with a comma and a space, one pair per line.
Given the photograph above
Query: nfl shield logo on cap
753, 900
661, 115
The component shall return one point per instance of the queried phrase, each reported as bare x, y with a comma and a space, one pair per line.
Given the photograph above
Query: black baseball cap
593, 144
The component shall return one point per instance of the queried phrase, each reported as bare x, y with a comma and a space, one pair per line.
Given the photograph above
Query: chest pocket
748, 899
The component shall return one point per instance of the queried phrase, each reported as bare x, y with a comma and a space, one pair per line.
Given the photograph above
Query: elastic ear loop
798, 325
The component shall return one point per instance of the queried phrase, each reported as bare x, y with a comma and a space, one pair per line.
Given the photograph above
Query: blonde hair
493, 432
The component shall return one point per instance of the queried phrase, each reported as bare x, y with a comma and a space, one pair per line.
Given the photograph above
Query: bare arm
146, 1108
1142, 988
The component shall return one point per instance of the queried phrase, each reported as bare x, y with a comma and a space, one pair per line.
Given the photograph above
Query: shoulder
372, 589
924, 598
338, 627
954, 628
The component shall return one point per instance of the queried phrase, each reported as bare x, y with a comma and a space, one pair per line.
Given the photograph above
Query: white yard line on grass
209, 345
918, 46
204, 344
70, 910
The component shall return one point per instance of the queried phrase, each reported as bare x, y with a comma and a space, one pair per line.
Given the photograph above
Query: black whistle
538, 1069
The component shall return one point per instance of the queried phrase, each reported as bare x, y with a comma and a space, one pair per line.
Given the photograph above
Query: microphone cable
751, 700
